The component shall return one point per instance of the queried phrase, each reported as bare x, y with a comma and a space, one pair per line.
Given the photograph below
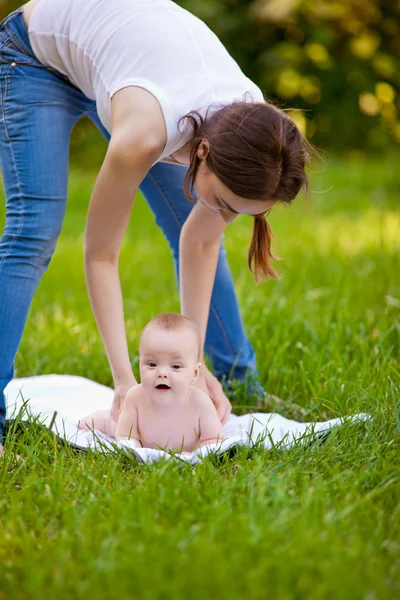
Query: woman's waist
28, 9
14, 40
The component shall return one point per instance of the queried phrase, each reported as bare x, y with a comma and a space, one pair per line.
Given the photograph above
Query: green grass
315, 522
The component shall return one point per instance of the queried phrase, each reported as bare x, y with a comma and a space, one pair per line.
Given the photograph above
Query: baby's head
170, 347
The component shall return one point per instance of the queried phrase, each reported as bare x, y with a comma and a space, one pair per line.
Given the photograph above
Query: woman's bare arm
138, 137
199, 248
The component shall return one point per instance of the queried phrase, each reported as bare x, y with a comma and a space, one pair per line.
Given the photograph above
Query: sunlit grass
317, 522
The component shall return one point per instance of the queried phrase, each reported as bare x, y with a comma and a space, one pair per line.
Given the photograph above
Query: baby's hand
135, 443
218, 440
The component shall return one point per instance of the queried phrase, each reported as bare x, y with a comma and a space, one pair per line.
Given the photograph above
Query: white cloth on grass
59, 401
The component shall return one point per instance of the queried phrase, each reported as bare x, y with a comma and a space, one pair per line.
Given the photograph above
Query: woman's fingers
227, 412
115, 408
119, 397
224, 409
218, 396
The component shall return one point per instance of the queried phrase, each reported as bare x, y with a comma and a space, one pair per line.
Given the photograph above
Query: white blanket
59, 401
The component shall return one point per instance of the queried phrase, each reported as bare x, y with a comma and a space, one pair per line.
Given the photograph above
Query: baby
165, 410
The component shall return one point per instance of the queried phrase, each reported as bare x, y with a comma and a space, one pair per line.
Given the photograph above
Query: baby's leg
100, 420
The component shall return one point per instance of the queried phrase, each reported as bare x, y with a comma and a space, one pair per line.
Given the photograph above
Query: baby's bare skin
165, 411
176, 425
185, 426
100, 420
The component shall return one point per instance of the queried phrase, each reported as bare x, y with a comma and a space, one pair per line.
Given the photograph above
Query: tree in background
338, 60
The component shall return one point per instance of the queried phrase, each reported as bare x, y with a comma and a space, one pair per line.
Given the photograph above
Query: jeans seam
4, 21
1, 95
4, 44
18, 44
212, 308
21, 215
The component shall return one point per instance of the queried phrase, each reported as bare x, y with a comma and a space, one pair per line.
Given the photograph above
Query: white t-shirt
103, 46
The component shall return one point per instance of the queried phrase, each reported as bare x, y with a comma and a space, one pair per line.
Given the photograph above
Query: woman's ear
203, 149
196, 373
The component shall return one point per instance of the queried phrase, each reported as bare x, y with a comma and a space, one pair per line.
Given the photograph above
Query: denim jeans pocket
14, 40
15, 48
5, 43
10, 54
5, 40
15, 14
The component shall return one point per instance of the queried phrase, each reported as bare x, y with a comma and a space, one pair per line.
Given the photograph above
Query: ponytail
260, 255
258, 153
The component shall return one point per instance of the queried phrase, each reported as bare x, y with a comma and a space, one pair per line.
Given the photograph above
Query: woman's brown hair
257, 151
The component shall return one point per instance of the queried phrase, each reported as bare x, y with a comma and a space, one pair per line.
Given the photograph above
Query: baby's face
168, 362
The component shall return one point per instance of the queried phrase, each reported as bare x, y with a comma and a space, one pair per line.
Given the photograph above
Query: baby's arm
211, 431
100, 420
127, 426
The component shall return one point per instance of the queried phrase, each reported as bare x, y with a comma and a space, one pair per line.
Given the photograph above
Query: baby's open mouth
162, 386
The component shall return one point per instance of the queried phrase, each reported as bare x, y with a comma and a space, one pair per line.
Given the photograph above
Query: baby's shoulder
136, 394
201, 399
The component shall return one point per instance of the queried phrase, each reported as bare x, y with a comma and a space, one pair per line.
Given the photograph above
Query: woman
179, 114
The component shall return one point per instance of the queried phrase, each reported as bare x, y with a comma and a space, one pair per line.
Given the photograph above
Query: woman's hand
119, 395
208, 383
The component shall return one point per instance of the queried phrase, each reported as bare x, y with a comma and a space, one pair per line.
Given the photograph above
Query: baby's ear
196, 372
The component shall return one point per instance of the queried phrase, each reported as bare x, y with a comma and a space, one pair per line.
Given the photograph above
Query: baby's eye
176, 367
151, 364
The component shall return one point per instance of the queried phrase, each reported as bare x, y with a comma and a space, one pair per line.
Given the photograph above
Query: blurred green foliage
337, 60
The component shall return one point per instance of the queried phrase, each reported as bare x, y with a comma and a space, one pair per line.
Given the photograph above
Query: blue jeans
38, 109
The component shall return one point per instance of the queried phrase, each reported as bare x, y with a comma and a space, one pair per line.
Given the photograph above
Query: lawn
321, 521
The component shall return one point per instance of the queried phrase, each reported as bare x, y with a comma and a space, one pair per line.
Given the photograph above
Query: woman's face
214, 195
